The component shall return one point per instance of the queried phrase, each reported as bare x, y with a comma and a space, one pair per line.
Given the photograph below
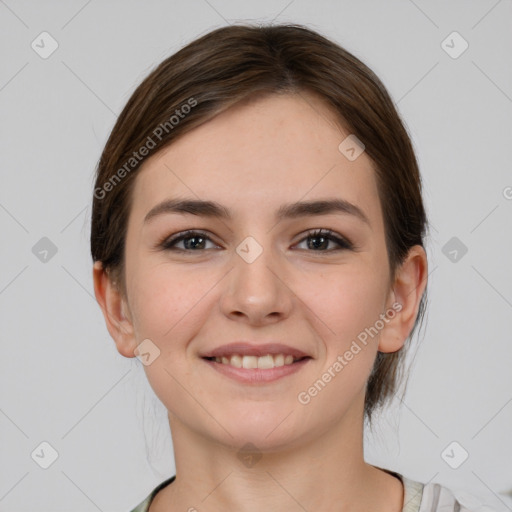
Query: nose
256, 291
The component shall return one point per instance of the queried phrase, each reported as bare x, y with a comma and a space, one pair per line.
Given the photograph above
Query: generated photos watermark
151, 141
304, 397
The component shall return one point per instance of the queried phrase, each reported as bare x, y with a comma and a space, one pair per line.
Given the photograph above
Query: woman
258, 238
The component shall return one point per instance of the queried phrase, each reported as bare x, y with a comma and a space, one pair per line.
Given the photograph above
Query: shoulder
418, 497
434, 497
143, 506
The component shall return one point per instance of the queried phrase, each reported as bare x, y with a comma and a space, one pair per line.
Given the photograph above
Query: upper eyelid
189, 233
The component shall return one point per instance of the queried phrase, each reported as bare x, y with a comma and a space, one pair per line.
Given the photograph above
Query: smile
254, 369
262, 362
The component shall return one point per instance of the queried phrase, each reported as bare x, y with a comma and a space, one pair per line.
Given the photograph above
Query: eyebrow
286, 211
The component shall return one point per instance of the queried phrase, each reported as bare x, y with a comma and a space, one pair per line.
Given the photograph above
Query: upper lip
254, 349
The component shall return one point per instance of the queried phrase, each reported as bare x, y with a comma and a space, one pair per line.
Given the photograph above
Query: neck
327, 472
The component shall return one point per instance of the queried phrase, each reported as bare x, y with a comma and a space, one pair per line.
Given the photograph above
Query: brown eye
319, 240
192, 241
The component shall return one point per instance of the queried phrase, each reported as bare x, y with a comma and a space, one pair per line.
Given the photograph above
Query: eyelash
170, 243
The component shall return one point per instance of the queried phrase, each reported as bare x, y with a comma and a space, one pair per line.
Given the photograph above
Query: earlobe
405, 298
115, 311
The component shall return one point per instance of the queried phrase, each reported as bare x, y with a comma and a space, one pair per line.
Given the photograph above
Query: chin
267, 432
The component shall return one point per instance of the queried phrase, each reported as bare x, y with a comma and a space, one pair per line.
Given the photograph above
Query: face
268, 283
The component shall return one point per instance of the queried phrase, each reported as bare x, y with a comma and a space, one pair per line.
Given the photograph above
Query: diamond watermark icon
146, 352
454, 455
454, 45
249, 249
249, 455
44, 455
44, 45
454, 249
44, 250
351, 147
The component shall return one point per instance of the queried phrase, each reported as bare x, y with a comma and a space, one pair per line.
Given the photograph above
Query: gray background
62, 380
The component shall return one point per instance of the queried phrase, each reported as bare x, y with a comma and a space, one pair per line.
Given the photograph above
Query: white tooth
236, 361
266, 362
279, 360
250, 362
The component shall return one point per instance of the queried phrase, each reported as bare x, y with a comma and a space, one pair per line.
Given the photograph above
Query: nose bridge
255, 288
253, 261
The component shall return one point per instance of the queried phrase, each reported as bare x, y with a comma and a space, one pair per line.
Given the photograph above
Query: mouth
249, 363
265, 362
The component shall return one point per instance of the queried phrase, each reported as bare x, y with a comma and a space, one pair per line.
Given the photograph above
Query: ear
115, 310
410, 283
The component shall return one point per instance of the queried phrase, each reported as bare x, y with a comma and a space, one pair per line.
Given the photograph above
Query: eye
318, 241
193, 241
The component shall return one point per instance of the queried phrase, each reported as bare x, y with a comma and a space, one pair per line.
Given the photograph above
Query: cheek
170, 306
167, 299
347, 300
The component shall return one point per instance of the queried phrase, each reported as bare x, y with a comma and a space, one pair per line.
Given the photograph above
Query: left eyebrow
285, 211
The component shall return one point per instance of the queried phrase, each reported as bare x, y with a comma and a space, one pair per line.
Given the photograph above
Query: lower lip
257, 375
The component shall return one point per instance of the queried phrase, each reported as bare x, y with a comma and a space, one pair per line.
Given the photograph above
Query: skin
252, 158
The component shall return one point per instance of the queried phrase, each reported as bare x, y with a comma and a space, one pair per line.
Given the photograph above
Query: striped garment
418, 497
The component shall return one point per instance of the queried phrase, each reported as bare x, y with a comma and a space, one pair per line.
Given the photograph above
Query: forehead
257, 155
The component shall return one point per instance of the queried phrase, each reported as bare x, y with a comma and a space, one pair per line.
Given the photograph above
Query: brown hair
233, 63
